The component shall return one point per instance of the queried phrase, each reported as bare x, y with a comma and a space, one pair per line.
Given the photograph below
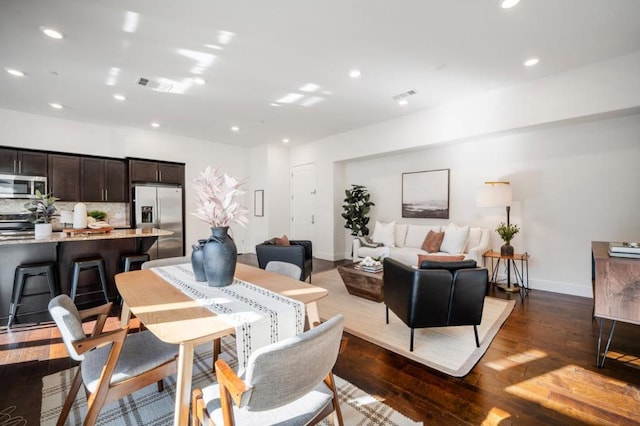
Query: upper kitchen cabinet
64, 176
103, 180
156, 172
19, 162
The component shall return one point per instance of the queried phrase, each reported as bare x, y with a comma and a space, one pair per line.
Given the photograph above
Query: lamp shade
494, 194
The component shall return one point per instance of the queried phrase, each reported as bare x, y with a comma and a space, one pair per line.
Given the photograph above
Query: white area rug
451, 350
150, 407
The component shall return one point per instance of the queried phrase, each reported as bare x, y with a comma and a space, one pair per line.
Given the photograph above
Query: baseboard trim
556, 287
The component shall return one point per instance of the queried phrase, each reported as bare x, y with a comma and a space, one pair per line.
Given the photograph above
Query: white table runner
260, 316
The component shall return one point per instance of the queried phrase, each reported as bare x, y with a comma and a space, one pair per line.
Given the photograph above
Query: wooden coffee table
363, 284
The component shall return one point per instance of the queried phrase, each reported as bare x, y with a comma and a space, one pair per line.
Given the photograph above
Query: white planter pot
43, 231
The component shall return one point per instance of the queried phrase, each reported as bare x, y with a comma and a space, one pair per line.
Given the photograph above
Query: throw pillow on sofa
439, 258
417, 233
400, 234
454, 239
432, 242
282, 241
384, 233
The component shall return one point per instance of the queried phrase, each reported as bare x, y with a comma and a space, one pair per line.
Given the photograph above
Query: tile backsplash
117, 213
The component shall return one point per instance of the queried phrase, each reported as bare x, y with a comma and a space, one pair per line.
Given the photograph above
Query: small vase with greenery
356, 207
42, 209
507, 232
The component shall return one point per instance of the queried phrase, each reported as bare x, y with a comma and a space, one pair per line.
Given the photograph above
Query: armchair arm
102, 312
83, 345
476, 252
308, 248
232, 384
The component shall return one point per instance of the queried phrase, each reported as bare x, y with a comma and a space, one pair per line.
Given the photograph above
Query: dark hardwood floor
540, 369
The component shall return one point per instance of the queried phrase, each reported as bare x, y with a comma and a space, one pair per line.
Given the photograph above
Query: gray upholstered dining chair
112, 364
284, 268
169, 261
288, 382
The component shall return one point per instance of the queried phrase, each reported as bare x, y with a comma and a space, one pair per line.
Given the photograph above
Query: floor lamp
498, 194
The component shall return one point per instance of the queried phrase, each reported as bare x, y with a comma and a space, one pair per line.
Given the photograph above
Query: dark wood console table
616, 292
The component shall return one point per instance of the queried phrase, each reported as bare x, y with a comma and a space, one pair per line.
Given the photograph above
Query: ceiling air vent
404, 95
158, 86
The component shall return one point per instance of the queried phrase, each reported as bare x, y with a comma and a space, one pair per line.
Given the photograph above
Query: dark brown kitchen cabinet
103, 180
19, 162
156, 172
64, 176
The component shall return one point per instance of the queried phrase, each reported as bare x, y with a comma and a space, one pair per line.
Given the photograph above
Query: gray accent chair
112, 364
284, 268
285, 383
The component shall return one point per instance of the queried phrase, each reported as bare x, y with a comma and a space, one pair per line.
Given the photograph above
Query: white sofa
404, 241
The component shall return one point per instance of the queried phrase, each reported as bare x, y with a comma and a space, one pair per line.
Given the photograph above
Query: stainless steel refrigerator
160, 207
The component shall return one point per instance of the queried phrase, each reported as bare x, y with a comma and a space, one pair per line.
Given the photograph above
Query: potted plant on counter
42, 210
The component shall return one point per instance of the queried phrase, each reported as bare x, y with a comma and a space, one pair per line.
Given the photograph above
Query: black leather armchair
299, 253
440, 294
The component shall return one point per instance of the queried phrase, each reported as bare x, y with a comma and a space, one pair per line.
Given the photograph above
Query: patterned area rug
451, 350
150, 407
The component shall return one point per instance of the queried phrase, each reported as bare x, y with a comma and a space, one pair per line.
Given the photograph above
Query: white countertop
59, 237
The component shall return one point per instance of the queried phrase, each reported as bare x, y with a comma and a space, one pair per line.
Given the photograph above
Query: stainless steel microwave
13, 186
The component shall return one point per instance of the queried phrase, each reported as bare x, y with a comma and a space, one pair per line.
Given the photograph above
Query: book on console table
627, 255
631, 248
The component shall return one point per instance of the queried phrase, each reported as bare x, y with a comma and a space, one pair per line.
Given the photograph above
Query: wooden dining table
174, 317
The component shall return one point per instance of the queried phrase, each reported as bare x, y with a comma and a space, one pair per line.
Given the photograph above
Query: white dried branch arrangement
217, 199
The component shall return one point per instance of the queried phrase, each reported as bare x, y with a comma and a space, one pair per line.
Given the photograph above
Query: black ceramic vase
220, 256
506, 250
197, 261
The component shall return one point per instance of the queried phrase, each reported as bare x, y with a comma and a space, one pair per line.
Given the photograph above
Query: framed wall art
258, 202
426, 194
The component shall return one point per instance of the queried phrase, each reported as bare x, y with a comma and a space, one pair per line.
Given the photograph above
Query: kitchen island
64, 249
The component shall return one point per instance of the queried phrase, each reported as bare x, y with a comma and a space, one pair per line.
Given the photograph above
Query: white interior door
303, 202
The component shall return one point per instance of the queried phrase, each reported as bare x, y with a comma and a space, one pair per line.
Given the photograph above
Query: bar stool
86, 264
128, 260
22, 274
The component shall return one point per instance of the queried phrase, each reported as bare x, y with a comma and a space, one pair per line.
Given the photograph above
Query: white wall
529, 134
269, 171
39, 132
571, 184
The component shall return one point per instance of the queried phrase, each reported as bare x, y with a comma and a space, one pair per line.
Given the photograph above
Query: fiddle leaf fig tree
356, 208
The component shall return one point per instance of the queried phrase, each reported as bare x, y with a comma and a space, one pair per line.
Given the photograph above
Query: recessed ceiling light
235, 128
155, 124
285, 140
55, 105
15, 72
51, 32
199, 80
119, 97
403, 102
355, 73
531, 62
508, 4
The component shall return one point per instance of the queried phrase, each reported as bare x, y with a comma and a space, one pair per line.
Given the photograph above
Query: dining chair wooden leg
160, 385
336, 401
216, 352
71, 397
